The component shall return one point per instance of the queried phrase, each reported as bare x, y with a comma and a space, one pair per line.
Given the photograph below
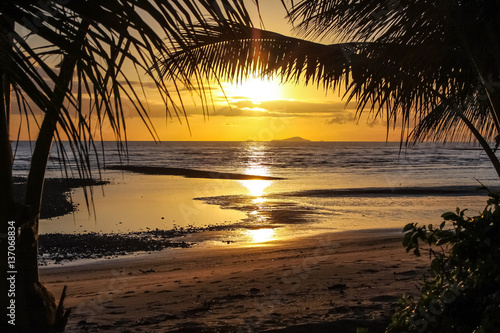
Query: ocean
322, 187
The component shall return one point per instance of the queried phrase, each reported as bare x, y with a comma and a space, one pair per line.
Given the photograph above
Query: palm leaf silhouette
79, 67
429, 68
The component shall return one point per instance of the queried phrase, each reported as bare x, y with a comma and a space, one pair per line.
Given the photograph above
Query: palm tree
431, 67
73, 62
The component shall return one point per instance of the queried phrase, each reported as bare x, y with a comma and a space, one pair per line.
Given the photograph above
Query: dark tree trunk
36, 305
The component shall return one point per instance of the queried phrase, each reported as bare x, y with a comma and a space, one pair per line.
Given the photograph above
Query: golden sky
267, 110
257, 110
264, 110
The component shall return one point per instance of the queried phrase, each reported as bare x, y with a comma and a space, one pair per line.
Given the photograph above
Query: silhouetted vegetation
72, 70
462, 294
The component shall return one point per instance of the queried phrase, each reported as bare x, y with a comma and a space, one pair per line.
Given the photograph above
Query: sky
259, 110
264, 110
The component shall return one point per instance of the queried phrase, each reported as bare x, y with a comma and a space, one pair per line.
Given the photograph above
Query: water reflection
261, 235
257, 165
256, 187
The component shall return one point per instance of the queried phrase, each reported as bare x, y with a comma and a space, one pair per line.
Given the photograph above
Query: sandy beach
331, 282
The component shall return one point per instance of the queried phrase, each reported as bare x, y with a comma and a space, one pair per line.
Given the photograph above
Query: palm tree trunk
482, 141
36, 303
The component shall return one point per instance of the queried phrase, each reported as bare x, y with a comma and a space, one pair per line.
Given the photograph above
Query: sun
254, 89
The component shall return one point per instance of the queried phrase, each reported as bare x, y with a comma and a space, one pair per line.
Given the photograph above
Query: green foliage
462, 293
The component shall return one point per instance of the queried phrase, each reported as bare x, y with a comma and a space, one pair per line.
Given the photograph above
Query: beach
317, 283
225, 166
250, 237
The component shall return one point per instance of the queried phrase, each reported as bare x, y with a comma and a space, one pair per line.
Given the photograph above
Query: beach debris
254, 291
147, 271
338, 286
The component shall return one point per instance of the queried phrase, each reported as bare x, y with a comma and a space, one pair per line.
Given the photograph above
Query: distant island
293, 139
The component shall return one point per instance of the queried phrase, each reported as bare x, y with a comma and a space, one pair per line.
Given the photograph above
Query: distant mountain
294, 139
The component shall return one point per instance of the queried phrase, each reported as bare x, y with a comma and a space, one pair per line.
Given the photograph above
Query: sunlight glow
256, 187
256, 155
261, 235
254, 89
259, 200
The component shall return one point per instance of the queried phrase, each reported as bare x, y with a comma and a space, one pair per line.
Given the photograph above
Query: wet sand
329, 282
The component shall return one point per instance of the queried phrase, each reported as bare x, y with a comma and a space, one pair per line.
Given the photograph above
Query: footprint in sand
385, 299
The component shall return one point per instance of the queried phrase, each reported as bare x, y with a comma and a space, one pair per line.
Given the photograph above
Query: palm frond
398, 82
454, 42
105, 39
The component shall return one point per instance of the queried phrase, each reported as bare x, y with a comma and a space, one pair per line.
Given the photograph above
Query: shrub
462, 293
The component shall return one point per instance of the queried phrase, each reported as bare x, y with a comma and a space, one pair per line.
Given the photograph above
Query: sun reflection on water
259, 200
261, 235
256, 187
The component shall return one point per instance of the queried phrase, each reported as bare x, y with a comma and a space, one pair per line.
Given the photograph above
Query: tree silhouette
73, 62
431, 68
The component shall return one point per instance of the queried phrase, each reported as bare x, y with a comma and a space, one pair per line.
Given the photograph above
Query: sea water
280, 208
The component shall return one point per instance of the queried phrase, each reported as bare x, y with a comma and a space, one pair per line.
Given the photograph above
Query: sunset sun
255, 90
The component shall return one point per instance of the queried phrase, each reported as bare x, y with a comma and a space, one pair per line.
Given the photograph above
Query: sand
331, 282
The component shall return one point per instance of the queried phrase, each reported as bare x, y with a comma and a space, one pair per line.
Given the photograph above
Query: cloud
149, 84
301, 107
337, 111
240, 112
334, 112
340, 118
244, 104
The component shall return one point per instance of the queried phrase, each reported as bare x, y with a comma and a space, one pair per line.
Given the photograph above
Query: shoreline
59, 248
329, 279
56, 198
